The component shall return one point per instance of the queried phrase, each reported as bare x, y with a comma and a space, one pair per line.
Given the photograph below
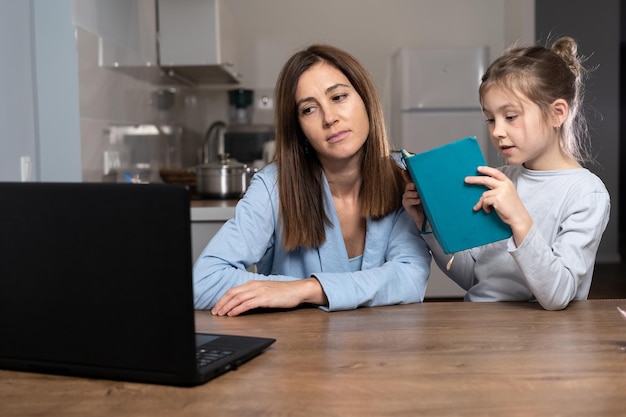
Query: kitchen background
255, 40
58, 101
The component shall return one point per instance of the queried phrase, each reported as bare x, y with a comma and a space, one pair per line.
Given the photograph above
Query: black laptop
96, 281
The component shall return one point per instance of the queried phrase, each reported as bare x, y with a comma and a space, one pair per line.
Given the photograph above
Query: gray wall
38, 78
597, 29
56, 84
17, 114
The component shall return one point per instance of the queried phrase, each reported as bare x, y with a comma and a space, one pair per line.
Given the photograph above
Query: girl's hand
269, 294
503, 197
411, 201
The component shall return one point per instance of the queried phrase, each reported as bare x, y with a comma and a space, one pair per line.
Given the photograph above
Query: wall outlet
264, 106
265, 102
26, 169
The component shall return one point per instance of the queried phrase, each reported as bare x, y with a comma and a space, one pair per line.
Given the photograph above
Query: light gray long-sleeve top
554, 264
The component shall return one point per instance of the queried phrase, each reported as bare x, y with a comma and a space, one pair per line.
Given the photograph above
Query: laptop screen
96, 275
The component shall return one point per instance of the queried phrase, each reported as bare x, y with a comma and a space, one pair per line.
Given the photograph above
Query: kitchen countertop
212, 210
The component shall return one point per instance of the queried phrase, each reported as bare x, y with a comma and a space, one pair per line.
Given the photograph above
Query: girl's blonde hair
544, 75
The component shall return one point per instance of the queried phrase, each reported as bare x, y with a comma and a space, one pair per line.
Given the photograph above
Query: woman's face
331, 113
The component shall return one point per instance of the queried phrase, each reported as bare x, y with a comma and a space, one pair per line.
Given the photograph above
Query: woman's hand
269, 294
411, 201
503, 197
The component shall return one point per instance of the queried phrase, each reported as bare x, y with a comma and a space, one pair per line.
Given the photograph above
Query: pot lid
225, 162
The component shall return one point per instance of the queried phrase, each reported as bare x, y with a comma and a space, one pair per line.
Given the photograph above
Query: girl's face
331, 113
519, 130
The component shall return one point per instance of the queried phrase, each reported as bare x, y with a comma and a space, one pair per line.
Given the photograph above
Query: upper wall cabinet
199, 36
192, 42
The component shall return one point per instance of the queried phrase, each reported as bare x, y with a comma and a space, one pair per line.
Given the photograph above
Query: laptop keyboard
206, 356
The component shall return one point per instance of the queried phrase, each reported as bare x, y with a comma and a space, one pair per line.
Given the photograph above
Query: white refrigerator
435, 101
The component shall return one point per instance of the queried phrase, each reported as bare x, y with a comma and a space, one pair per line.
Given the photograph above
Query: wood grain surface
431, 359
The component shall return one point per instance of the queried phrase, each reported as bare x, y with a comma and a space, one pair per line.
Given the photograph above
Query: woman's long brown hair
301, 206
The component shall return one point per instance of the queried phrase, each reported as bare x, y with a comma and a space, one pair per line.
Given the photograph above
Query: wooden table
431, 359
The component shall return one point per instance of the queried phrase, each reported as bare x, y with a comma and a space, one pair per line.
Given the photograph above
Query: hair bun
567, 48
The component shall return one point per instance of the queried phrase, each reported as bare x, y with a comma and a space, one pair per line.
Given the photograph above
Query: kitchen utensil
213, 142
185, 176
223, 179
241, 107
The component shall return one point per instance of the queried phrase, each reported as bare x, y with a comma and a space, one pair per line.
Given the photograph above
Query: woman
324, 223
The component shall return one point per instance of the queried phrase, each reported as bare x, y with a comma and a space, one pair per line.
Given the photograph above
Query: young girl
557, 210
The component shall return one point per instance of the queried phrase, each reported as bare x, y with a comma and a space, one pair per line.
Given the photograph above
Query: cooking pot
223, 179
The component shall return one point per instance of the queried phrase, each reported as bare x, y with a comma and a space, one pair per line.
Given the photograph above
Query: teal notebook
448, 201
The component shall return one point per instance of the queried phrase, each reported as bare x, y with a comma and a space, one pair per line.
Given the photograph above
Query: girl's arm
560, 272
460, 268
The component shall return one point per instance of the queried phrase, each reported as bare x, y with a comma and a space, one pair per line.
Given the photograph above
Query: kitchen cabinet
196, 33
190, 42
126, 30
